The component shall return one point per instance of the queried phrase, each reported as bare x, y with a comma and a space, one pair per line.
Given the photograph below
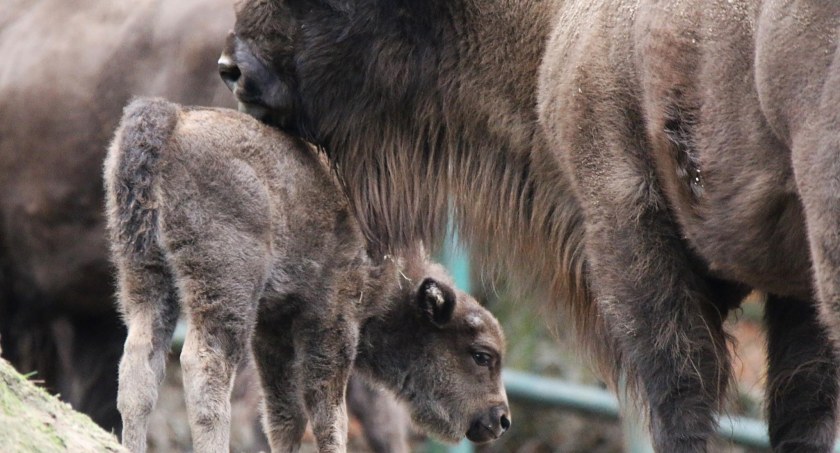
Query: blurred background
69, 69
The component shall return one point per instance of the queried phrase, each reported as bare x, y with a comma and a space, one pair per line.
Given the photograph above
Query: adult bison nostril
229, 71
505, 423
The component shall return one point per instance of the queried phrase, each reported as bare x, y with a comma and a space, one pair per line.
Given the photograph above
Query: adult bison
642, 163
71, 67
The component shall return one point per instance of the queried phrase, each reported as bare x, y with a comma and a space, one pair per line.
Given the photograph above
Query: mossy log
31, 420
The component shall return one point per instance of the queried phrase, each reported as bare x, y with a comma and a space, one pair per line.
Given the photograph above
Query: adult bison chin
642, 163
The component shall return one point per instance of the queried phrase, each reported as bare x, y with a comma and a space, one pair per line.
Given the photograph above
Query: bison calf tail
131, 173
147, 293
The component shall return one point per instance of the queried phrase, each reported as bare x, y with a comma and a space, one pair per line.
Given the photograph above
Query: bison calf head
441, 352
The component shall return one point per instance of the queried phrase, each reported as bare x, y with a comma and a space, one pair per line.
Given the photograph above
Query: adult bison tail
131, 174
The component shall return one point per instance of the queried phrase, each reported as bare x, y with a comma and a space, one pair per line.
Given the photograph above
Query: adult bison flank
644, 163
247, 229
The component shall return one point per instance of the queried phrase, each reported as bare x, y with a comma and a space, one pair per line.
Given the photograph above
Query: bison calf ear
437, 301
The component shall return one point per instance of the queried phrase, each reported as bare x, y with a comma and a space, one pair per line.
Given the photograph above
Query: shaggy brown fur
645, 163
70, 68
246, 228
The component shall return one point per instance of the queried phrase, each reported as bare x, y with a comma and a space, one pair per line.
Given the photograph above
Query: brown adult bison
70, 68
642, 163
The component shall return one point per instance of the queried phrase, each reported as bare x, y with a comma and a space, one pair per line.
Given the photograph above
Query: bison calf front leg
384, 419
217, 336
328, 350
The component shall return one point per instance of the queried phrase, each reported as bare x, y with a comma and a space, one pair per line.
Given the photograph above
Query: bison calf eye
482, 359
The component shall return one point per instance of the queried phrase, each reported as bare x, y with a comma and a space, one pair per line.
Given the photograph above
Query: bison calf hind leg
221, 280
150, 308
208, 364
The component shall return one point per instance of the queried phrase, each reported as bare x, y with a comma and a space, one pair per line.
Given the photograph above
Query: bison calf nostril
505, 422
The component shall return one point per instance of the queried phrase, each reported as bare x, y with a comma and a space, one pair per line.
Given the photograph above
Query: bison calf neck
246, 228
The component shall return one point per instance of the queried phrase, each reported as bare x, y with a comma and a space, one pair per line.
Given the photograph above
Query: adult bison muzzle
643, 163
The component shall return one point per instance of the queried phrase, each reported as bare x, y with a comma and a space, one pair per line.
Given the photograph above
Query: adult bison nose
490, 425
229, 71
228, 68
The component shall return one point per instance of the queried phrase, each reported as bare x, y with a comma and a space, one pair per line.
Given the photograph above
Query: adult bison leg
658, 306
816, 146
817, 171
802, 379
97, 347
669, 333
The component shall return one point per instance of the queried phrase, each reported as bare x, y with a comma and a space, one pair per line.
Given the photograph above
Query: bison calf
247, 229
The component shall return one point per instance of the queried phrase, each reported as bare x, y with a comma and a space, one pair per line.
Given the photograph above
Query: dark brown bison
247, 230
642, 163
71, 67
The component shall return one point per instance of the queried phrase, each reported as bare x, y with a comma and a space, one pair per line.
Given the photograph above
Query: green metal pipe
544, 391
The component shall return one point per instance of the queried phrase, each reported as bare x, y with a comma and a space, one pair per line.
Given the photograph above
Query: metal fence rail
557, 393
534, 389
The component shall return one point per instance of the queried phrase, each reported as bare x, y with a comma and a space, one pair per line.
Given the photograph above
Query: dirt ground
169, 431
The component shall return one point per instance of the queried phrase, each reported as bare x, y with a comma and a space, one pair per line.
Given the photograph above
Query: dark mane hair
422, 154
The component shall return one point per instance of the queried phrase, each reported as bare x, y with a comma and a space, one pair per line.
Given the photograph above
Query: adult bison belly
751, 229
718, 160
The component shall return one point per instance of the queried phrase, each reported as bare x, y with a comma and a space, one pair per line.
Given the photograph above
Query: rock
31, 420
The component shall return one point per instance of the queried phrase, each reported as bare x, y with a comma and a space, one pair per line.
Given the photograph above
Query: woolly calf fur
246, 229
